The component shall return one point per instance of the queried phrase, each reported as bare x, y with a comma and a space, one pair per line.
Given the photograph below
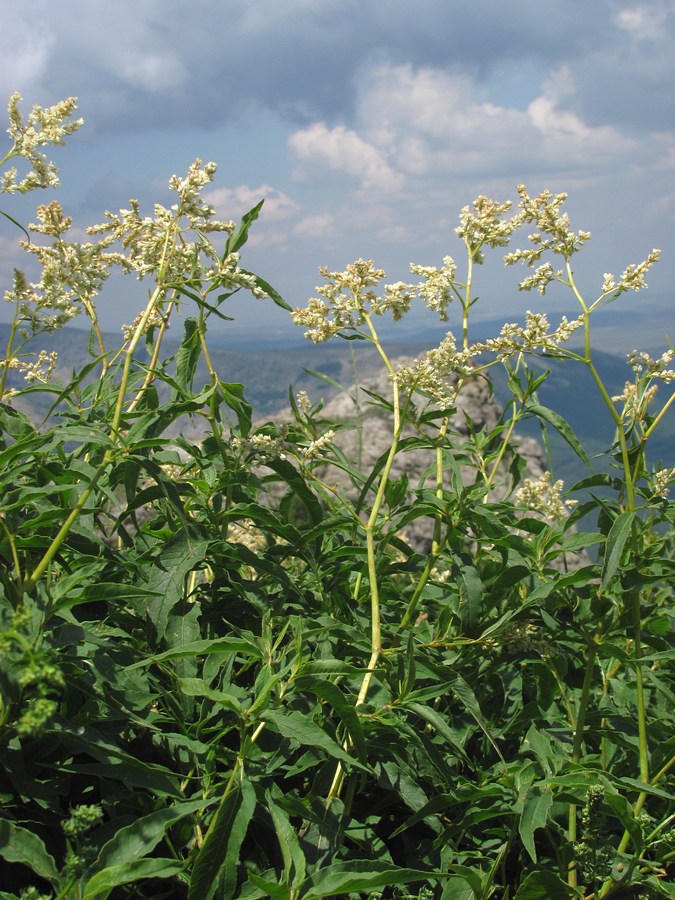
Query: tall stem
375, 617
110, 453
370, 526
436, 537
576, 748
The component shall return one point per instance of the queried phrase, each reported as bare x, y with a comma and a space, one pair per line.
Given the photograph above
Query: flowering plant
228, 667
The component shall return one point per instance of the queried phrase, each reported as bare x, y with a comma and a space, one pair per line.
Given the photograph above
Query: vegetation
222, 678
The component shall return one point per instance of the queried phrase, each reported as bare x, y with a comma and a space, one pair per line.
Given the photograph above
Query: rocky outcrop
370, 436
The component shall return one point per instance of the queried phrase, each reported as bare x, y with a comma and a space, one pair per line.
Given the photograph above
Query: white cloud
25, 45
154, 72
565, 135
343, 150
321, 225
643, 22
234, 202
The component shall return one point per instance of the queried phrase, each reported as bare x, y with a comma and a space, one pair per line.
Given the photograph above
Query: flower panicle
438, 372
545, 497
553, 233
171, 243
632, 277
534, 335
44, 126
72, 273
482, 224
348, 298
647, 368
438, 288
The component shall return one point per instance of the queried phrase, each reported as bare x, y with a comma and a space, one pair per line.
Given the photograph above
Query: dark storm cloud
166, 62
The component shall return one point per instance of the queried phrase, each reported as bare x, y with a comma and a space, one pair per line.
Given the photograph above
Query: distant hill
268, 373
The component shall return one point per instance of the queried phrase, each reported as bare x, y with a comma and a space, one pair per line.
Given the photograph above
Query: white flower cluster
644, 366
540, 279
317, 447
303, 401
545, 498
348, 299
263, 447
158, 245
437, 371
40, 370
514, 339
635, 401
154, 320
72, 273
483, 225
553, 229
662, 481
633, 276
438, 288
44, 126
151, 241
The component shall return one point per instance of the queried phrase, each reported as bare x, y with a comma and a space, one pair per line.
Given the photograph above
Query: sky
366, 125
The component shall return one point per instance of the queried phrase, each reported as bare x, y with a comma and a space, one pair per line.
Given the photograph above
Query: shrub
222, 677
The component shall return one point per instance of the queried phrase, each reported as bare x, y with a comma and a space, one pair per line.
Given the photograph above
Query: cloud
343, 150
234, 202
321, 225
165, 63
566, 137
431, 123
25, 47
643, 22
362, 125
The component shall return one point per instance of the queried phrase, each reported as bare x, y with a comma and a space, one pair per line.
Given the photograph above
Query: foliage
223, 678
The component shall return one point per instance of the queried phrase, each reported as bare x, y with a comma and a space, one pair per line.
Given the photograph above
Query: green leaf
187, 357
330, 693
114, 763
458, 888
269, 290
240, 234
471, 592
266, 888
298, 727
294, 859
359, 876
467, 698
536, 808
19, 845
616, 541
562, 427
202, 648
128, 873
544, 886
14, 222
165, 577
218, 859
142, 836
233, 395
440, 725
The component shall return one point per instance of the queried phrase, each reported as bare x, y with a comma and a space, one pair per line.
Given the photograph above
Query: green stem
110, 453
639, 683
658, 417
152, 365
436, 537
576, 749
62, 534
375, 613
375, 616
8, 357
